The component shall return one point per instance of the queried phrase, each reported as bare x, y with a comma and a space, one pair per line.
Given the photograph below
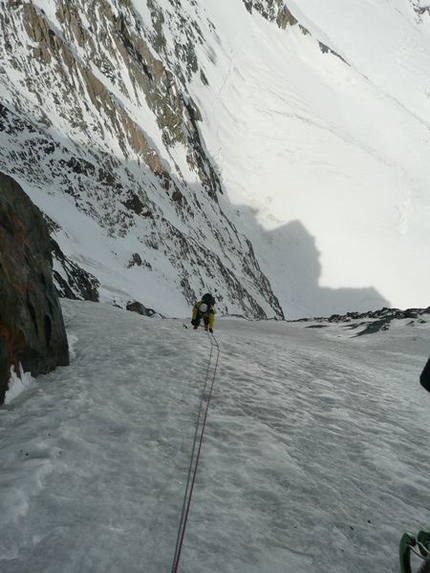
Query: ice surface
314, 457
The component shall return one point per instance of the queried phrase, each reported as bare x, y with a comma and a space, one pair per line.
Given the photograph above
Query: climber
204, 309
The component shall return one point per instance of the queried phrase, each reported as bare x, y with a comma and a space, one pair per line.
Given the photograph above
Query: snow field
312, 458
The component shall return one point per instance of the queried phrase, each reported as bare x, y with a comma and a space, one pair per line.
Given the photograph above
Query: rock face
102, 120
135, 306
31, 324
75, 282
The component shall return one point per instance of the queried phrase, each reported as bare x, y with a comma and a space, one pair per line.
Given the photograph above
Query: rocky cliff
32, 332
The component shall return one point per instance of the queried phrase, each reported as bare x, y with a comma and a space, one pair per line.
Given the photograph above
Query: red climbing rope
181, 535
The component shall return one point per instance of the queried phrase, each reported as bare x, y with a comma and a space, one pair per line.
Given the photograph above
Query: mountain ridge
125, 115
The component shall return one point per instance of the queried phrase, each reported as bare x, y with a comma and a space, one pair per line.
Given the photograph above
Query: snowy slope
162, 136
327, 158
313, 458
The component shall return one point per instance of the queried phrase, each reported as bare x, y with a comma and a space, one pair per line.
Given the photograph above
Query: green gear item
423, 540
406, 542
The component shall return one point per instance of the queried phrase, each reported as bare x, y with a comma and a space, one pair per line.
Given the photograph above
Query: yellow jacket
209, 315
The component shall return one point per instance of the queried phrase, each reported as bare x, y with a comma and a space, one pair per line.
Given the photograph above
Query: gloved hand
211, 331
193, 322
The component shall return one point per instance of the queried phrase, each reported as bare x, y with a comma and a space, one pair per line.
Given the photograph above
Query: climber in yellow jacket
204, 310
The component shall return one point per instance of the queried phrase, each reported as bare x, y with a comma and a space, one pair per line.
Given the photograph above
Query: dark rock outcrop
285, 18
371, 321
135, 306
76, 283
31, 324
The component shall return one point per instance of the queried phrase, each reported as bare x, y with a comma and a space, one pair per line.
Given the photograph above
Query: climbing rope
417, 553
195, 456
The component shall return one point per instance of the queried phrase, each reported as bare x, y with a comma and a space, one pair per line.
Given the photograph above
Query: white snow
18, 383
314, 457
331, 157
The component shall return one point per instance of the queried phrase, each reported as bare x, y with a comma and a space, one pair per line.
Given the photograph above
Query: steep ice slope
326, 154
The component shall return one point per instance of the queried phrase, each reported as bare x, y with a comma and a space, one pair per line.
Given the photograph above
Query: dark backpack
208, 299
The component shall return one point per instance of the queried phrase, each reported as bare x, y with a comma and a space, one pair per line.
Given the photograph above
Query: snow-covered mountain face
162, 137
103, 135
331, 115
